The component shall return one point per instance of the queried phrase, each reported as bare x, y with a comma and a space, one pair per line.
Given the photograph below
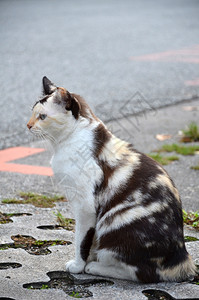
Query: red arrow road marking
194, 82
11, 154
190, 55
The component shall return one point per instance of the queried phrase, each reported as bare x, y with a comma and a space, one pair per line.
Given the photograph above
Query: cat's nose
29, 126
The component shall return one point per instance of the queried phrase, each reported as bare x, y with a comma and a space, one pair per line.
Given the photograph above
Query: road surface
122, 56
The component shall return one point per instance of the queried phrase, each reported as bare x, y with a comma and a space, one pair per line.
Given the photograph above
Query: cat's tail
182, 271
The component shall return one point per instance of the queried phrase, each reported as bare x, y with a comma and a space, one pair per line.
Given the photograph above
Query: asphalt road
99, 49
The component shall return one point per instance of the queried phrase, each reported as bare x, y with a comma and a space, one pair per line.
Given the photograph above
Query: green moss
163, 160
195, 168
5, 247
190, 239
31, 245
39, 243
44, 287
5, 218
75, 295
35, 199
180, 149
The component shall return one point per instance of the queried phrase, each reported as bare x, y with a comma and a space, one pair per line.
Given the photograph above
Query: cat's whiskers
50, 137
46, 139
30, 107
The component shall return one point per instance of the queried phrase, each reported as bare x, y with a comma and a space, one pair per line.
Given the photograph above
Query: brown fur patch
62, 91
31, 122
144, 173
84, 108
101, 137
107, 173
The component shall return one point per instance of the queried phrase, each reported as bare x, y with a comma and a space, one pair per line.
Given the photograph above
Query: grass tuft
75, 295
195, 167
68, 224
37, 200
190, 239
44, 287
180, 149
163, 160
191, 218
191, 134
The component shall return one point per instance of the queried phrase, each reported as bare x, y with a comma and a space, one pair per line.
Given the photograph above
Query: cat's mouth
37, 132
41, 134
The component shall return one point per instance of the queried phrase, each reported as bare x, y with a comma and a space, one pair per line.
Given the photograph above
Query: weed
180, 149
195, 167
75, 295
44, 287
68, 224
4, 218
191, 218
31, 245
163, 160
191, 134
39, 243
35, 199
190, 238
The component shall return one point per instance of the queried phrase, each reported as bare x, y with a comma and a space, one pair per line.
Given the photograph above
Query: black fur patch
48, 86
141, 242
72, 104
101, 137
147, 273
42, 101
145, 173
87, 243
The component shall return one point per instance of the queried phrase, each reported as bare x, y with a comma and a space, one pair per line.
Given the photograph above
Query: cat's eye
42, 116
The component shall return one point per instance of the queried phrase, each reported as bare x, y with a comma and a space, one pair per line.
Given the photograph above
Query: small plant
191, 134
31, 245
35, 199
195, 167
39, 243
68, 224
191, 218
5, 218
75, 295
30, 287
163, 160
180, 149
190, 239
44, 287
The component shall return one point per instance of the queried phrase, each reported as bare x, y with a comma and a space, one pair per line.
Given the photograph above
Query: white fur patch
180, 272
164, 180
119, 178
130, 216
115, 151
112, 211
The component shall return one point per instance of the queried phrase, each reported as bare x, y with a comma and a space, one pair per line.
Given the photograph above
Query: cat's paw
91, 268
74, 266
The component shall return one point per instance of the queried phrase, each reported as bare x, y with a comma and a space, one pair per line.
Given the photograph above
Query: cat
127, 209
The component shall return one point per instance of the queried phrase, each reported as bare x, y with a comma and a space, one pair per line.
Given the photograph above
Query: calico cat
128, 212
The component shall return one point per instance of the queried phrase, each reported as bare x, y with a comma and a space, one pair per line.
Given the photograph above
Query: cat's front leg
84, 233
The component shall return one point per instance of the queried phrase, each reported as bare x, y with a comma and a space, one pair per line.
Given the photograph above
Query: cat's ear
48, 86
71, 103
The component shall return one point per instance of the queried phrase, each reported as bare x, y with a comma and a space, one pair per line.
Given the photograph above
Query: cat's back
133, 177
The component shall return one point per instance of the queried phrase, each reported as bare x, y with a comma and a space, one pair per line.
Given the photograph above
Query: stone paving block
36, 267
